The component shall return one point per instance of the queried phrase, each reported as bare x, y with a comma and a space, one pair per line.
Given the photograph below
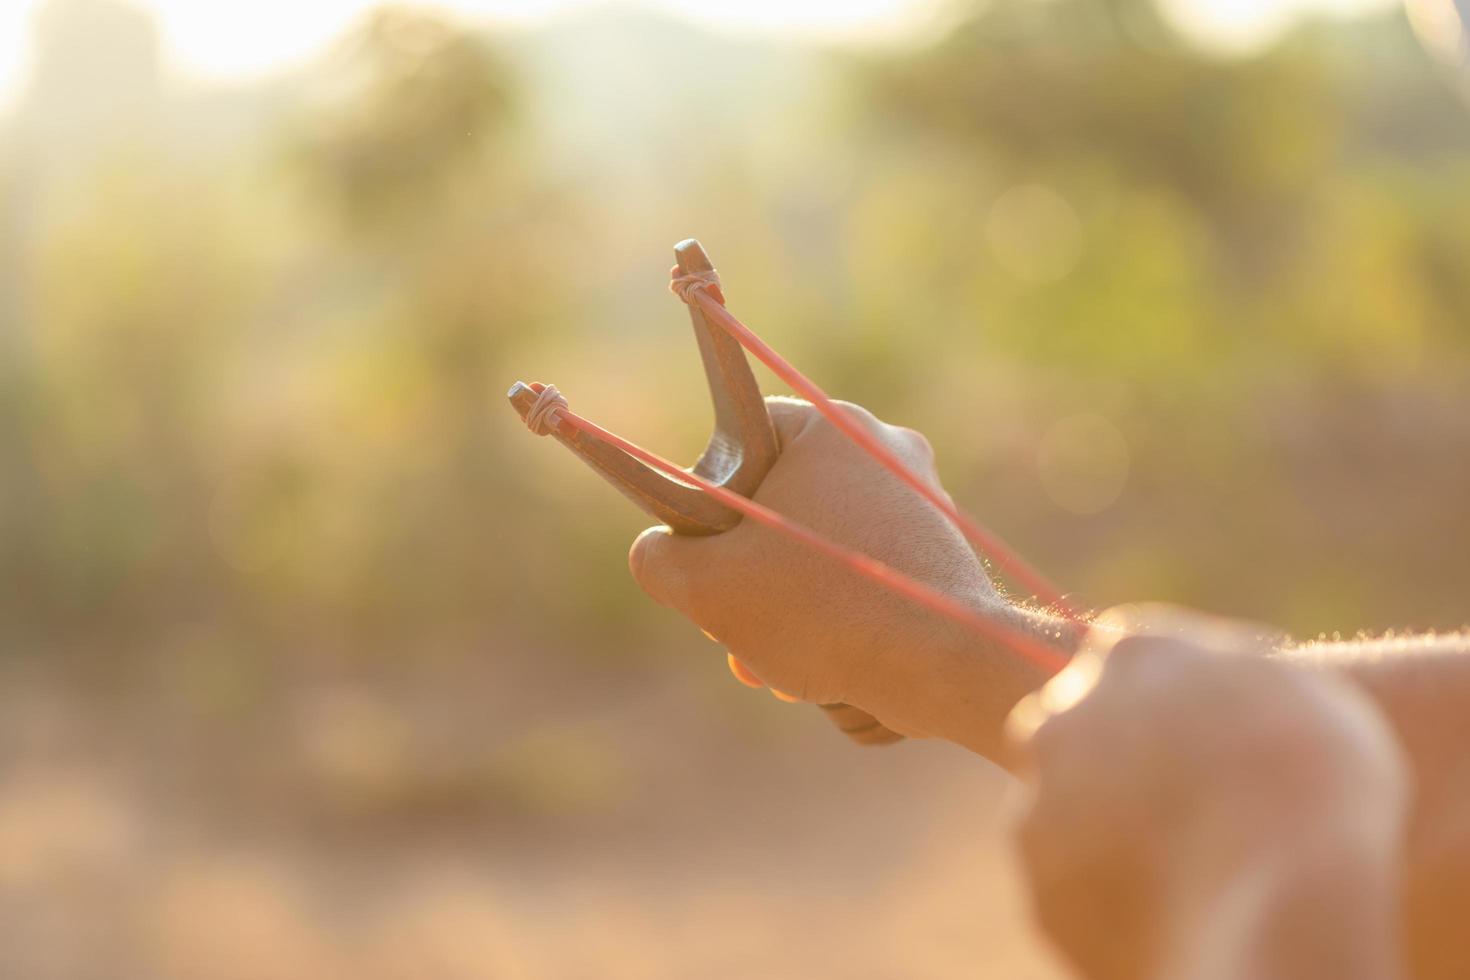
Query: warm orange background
315, 664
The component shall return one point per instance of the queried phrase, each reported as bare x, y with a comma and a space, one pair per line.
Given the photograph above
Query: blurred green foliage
255, 339
313, 662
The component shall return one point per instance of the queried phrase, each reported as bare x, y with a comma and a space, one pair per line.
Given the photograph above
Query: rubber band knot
686, 285
544, 415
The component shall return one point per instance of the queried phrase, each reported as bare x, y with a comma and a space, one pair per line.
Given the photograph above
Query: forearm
1422, 686
967, 700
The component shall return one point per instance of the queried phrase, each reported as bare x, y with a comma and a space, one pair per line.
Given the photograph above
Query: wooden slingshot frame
741, 451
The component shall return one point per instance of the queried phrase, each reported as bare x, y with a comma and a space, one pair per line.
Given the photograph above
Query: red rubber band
987, 541
1047, 657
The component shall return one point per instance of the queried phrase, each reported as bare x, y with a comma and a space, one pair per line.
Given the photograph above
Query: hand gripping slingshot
741, 451
713, 495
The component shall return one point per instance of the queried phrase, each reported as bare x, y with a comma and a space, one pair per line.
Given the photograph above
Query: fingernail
783, 696
742, 673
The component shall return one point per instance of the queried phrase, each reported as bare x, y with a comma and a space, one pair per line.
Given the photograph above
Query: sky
240, 39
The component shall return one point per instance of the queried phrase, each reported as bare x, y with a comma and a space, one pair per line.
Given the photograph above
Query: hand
1174, 770
796, 620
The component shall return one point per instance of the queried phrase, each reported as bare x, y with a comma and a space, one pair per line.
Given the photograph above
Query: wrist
965, 691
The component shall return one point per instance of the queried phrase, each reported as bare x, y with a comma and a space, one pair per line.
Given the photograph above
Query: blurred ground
649, 828
313, 662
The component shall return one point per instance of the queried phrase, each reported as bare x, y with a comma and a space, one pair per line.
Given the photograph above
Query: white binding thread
686, 285
544, 415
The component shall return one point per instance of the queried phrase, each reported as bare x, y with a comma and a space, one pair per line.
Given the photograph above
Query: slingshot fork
741, 450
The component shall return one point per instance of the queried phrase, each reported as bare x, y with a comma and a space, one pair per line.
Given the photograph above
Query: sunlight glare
1246, 25
215, 39
228, 40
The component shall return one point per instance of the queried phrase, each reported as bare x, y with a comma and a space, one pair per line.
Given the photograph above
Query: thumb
665, 565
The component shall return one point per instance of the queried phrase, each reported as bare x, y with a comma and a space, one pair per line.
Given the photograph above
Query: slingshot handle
743, 447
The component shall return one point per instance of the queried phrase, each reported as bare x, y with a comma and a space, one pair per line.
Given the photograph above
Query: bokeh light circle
1083, 463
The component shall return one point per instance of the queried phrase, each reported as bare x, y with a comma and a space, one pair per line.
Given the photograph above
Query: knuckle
1144, 658
791, 417
855, 409
916, 442
784, 407
866, 418
1064, 729
1134, 649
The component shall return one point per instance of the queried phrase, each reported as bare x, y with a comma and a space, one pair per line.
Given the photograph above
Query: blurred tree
413, 102
1191, 242
1180, 326
269, 395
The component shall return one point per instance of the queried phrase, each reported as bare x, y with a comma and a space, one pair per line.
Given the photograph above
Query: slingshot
712, 496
